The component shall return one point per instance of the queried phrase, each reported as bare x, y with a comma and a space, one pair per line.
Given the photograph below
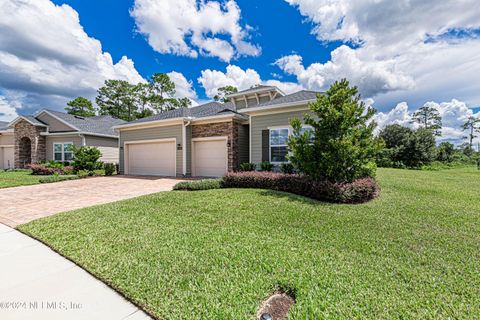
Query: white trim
8, 131
125, 150
57, 118
26, 119
280, 145
63, 150
253, 91
155, 123
77, 133
278, 106
7, 145
250, 139
220, 118
184, 147
208, 139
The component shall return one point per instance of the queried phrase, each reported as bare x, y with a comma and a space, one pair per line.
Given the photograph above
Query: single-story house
49, 135
213, 138
6, 146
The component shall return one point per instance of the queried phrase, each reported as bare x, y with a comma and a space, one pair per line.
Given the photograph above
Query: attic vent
79, 117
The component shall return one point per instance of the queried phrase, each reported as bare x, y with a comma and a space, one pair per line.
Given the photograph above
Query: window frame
63, 151
290, 132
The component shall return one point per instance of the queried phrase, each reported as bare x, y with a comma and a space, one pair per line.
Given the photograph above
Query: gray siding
107, 146
240, 104
54, 124
264, 99
243, 141
189, 149
263, 122
166, 132
77, 141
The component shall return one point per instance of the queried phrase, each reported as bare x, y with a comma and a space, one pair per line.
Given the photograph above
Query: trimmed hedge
195, 185
57, 178
43, 170
358, 191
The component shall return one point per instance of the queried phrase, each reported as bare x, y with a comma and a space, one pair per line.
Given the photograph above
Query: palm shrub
266, 166
110, 169
287, 167
340, 146
86, 158
247, 166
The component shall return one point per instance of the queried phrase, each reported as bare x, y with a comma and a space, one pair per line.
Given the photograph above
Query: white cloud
371, 77
235, 76
454, 114
183, 87
192, 27
7, 110
406, 48
46, 58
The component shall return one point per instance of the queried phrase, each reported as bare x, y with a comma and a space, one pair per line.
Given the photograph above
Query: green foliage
429, 118
81, 106
57, 178
195, 185
83, 174
287, 167
472, 125
163, 97
340, 145
116, 98
110, 169
445, 152
247, 166
266, 166
54, 165
224, 91
86, 158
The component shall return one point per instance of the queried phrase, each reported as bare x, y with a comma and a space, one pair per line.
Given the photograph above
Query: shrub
287, 167
83, 174
195, 185
335, 141
110, 169
57, 178
266, 166
43, 170
97, 173
87, 158
247, 166
54, 164
358, 191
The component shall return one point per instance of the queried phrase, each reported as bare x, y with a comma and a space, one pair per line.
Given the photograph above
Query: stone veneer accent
229, 129
23, 129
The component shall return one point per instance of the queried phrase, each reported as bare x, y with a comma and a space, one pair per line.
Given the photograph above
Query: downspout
84, 143
184, 144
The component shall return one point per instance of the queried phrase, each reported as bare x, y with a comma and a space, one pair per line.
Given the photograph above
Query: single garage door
6, 160
209, 158
155, 158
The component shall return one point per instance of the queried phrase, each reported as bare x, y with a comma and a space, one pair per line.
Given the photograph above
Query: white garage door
7, 158
156, 158
209, 158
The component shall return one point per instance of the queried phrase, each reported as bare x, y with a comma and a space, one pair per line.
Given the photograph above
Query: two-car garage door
156, 158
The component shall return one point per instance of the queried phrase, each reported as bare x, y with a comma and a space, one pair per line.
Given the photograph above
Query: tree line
405, 147
123, 100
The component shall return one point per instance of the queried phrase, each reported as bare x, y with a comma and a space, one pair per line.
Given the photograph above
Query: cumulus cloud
454, 113
183, 87
235, 76
371, 77
46, 58
192, 27
406, 48
7, 110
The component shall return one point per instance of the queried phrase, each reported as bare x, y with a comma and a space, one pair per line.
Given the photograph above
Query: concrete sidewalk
37, 283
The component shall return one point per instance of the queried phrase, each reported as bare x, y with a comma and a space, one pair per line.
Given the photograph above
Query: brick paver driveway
23, 204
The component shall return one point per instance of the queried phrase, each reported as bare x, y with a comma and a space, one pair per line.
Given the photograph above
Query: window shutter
265, 145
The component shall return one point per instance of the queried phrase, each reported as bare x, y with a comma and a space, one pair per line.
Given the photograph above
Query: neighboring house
6, 146
214, 138
49, 135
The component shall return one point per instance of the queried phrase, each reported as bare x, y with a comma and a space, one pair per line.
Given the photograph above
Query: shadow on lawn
294, 197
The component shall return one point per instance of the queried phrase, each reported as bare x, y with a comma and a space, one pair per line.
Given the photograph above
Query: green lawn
412, 253
17, 178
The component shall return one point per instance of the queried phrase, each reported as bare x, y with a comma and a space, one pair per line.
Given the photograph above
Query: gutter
77, 133
184, 144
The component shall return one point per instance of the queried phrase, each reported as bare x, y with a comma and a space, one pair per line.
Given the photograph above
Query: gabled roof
300, 96
255, 89
209, 109
31, 119
102, 125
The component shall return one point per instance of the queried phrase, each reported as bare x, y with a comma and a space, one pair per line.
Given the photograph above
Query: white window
63, 151
278, 144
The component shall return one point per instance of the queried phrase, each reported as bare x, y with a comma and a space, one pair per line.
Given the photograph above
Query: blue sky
400, 54
289, 33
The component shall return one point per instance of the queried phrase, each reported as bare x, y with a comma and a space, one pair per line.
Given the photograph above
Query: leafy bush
57, 178
287, 167
357, 191
54, 164
110, 169
340, 142
247, 166
195, 185
87, 158
266, 166
97, 173
83, 174
43, 170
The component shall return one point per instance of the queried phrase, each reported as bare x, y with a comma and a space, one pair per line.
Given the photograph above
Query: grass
17, 178
216, 254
